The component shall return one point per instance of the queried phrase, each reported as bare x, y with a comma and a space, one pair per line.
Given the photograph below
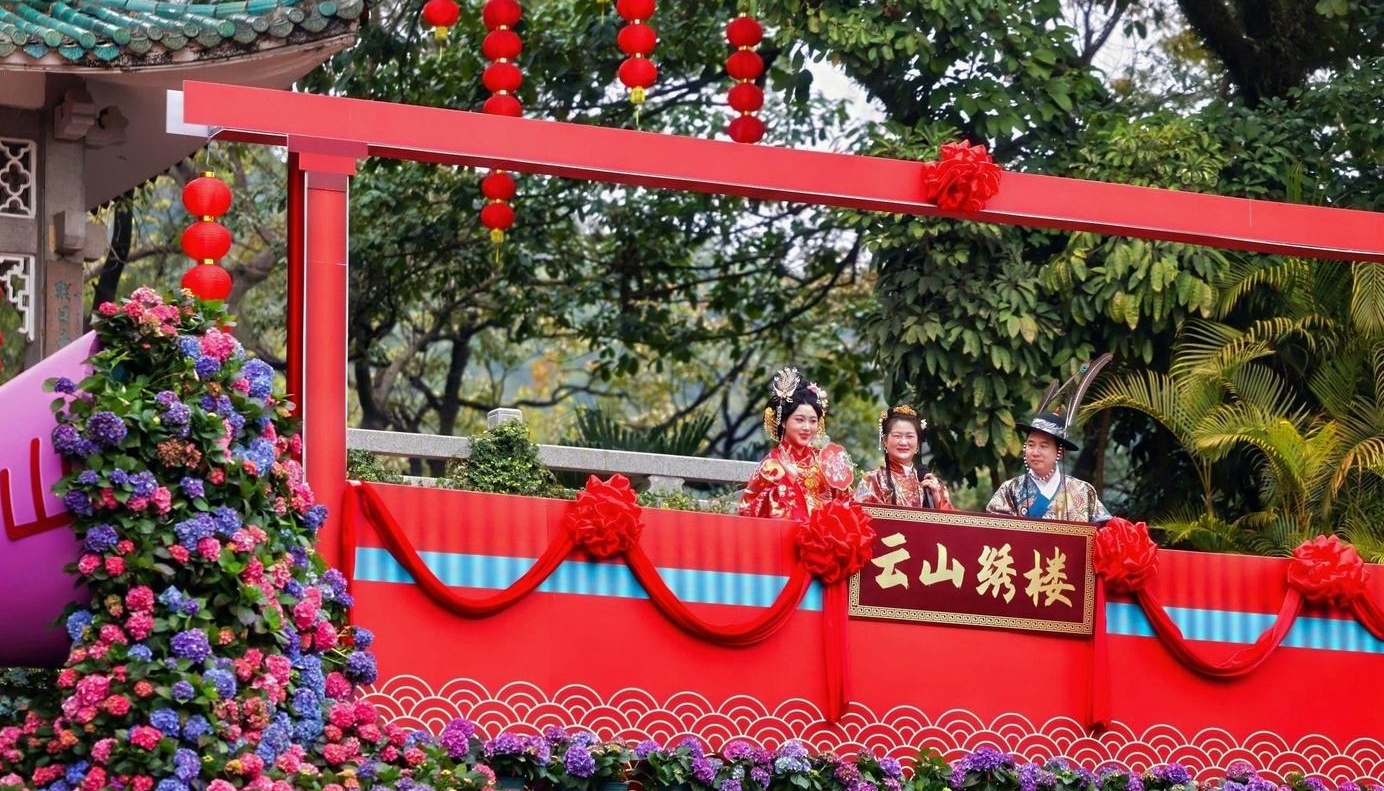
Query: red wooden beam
650, 159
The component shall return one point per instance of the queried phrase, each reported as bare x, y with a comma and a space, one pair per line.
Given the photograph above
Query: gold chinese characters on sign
971, 569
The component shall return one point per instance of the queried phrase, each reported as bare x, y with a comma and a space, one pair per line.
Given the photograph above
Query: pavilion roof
140, 33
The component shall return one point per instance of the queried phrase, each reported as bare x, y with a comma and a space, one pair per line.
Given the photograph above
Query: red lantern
746, 129
440, 15
638, 73
207, 282
744, 31
501, 13
744, 64
206, 240
207, 196
503, 104
499, 185
501, 45
502, 76
635, 10
746, 97
637, 39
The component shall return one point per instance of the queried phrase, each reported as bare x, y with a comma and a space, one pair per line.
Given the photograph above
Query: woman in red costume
898, 482
795, 478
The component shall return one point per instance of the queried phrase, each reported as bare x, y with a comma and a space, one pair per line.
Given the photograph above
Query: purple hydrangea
177, 415
847, 772
363, 637
189, 606
192, 487
106, 428
1033, 777
730, 784
456, 737
206, 367
192, 644
646, 748
505, 744
186, 764
119, 477
315, 516
360, 667
761, 776
64, 385
737, 750
227, 521
78, 503
183, 692
194, 529
89, 478
578, 761
791, 757
66, 440
101, 538
143, 483
891, 767
166, 399
1174, 774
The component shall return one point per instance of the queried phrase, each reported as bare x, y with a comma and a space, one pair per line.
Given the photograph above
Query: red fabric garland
467, 607
962, 179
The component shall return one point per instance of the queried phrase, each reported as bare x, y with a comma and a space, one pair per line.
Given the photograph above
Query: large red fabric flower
1125, 555
1327, 570
604, 520
962, 179
835, 541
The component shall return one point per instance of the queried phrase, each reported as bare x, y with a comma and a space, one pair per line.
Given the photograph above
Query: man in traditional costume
897, 482
1045, 491
796, 477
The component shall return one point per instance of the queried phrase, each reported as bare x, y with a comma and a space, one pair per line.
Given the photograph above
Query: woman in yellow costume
796, 477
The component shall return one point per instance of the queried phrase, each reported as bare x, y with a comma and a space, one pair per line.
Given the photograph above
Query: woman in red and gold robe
795, 478
898, 482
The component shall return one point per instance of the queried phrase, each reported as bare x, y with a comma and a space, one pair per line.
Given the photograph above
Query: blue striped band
495, 572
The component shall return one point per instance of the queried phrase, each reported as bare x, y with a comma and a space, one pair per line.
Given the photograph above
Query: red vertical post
326, 167
296, 232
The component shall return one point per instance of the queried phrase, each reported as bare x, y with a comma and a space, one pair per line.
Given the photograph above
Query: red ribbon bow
1326, 570
604, 520
1125, 555
963, 179
836, 541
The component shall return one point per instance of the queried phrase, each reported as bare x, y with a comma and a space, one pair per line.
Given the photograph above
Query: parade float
257, 620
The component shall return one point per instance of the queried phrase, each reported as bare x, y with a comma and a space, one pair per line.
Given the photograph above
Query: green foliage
503, 460
685, 436
363, 465
21, 688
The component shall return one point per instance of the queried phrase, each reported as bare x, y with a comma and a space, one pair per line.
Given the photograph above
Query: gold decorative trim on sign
1088, 605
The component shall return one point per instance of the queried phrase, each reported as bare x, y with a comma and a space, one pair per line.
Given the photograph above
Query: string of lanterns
637, 40
502, 78
744, 66
206, 241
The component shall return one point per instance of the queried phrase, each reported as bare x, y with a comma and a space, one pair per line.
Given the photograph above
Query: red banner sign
948, 567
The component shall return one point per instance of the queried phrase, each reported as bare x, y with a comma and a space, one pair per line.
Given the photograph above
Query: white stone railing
658, 471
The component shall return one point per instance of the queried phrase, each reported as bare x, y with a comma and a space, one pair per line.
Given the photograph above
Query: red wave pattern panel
634, 714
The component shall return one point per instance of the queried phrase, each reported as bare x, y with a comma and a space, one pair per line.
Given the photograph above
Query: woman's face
1040, 451
901, 443
800, 426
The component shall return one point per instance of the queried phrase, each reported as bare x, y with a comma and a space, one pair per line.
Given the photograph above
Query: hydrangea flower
191, 644
106, 428
101, 538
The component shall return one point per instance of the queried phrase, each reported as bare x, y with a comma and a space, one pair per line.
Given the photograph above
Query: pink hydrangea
209, 548
251, 765
93, 689
117, 705
342, 715
108, 498
142, 782
335, 755
163, 500
279, 667
145, 736
125, 547
101, 751
325, 636
88, 563
140, 625
179, 553
110, 633
366, 713
337, 685
67, 678
140, 599
146, 297
107, 309
220, 784
95, 779
138, 503
219, 345
217, 476
115, 566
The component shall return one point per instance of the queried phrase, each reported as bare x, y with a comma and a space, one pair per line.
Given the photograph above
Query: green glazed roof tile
126, 33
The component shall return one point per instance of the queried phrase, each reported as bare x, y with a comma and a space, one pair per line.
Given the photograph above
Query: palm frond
1367, 299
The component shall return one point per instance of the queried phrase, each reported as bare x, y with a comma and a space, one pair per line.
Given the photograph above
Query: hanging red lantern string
637, 40
745, 67
207, 240
441, 16
502, 78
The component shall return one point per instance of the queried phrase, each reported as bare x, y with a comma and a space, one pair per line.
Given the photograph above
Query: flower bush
214, 655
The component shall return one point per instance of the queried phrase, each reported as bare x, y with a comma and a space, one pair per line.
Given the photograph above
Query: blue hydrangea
364, 638
166, 399
259, 454
223, 681
119, 477
141, 652
578, 761
315, 516
144, 483
177, 415
89, 478
305, 702
66, 440
227, 521
195, 728
186, 765
77, 622
190, 346
101, 538
190, 531
172, 598
192, 487
166, 720
76, 772
78, 503
261, 378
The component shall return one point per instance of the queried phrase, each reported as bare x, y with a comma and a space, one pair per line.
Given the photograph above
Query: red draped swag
835, 542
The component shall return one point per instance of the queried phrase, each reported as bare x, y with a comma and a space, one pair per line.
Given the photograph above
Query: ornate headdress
786, 393
896, 411
1057, 411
